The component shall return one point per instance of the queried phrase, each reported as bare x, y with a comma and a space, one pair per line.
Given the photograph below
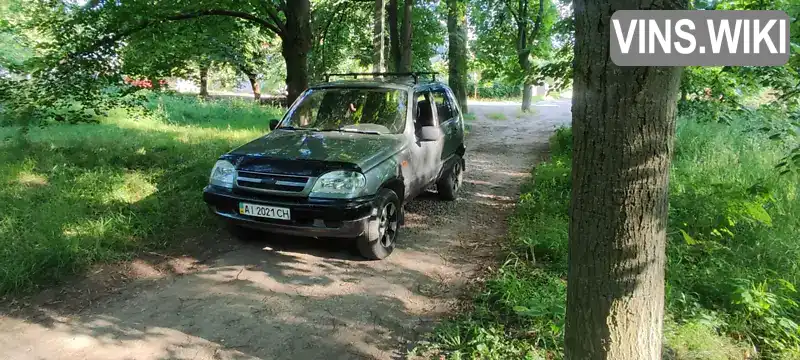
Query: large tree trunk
377, 36
527, 96
527, 84
623, 125
204, 80
295, 47
255, 85
457, 50
394, 35
405, 31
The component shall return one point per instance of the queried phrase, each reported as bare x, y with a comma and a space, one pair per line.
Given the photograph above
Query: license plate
271, 212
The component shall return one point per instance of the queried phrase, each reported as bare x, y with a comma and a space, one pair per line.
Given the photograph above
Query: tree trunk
527, 84
295, 47
394, 36
527, 96
523, 49
377, 36
457, 50
204, 80
255, 85
623, 126
406, 30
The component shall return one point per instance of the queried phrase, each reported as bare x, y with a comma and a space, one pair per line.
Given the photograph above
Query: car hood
362, 150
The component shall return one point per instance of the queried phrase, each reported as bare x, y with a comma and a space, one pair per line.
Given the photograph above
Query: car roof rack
415, 75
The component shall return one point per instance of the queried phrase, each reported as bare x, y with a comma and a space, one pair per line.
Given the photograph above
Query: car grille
271, 182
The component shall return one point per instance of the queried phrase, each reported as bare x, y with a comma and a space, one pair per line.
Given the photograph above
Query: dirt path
288, 298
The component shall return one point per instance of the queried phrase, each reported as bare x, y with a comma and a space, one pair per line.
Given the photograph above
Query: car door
448, 118
425, 159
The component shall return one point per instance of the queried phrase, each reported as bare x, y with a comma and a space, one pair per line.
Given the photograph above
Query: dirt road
288, 298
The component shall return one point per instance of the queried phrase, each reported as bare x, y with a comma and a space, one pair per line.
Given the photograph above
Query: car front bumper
310, 217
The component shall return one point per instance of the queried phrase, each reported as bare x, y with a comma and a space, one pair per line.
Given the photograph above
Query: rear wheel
378, 242
449, 184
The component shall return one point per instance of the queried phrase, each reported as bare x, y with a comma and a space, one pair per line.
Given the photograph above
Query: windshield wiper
297, 128
373, 132
342, 129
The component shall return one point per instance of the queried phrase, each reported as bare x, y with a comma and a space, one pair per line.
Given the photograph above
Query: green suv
343, 161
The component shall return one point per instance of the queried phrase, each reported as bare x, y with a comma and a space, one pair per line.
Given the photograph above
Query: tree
400, 39
523, 57
179, 49
113, 22
623, 125
524, 43
377, 36
344, 43
457, 49
406, 31
394, 36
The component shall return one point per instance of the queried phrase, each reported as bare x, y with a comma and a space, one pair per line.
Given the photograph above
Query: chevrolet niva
343, 160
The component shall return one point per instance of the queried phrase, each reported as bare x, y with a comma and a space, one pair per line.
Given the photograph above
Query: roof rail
415, 75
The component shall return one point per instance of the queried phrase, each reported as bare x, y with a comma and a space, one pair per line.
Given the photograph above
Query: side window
423, 112
444, 107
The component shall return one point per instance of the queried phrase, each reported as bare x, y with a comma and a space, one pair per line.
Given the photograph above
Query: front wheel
378, 242
449, 184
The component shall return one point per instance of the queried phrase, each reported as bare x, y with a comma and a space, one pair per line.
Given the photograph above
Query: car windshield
352, 109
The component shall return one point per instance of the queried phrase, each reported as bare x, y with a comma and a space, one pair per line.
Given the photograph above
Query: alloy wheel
388, 224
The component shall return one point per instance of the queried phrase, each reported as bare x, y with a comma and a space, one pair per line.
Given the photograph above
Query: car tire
378, 241
448, 185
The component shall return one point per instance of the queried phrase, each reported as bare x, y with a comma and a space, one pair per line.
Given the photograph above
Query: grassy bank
76, 195
734, 246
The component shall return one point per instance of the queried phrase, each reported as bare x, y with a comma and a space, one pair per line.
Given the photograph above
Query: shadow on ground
277, 297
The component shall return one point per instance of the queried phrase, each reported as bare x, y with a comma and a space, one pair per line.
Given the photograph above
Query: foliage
343, 41
497, 53
177, 49
75, 195
733, 245
17, 42
495, 90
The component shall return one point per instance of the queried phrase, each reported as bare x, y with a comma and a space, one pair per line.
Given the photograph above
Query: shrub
733, 245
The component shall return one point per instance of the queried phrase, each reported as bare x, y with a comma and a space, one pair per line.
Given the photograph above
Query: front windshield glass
351, 109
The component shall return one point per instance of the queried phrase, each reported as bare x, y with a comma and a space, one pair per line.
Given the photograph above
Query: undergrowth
733, 250
76, 195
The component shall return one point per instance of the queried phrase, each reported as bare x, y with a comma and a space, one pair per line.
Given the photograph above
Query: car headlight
339, 184
222, 174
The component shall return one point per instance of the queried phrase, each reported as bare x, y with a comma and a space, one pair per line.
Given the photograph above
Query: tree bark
457, 50
527, 84
255, 85
295, 47
394, 35
406, 30
623, 127
527, 96
204, 80
378, 64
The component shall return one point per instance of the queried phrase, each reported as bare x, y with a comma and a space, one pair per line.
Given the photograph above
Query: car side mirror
273, 124
430, 133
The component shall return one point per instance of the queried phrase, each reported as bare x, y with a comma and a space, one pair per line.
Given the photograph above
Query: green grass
76, 195
497, 116
730, 280
530, 114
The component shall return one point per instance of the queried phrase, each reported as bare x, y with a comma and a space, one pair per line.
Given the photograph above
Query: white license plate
271, 212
